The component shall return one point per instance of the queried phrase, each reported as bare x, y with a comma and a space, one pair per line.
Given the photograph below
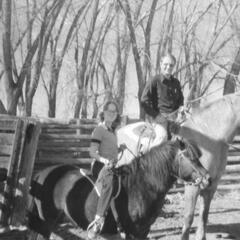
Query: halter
198, 180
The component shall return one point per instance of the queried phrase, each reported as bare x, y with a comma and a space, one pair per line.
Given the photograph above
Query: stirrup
120, 230
95, 226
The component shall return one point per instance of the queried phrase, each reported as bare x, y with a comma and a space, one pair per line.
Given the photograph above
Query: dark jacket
161, 96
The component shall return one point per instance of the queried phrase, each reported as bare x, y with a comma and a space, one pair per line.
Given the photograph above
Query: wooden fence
18, 146
233, 163
69, 143
64, 143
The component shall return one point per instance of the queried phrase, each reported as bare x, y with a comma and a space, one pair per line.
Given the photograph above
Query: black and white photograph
119, 119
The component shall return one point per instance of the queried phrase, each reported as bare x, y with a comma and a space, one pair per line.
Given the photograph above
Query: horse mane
155, 167
152, 168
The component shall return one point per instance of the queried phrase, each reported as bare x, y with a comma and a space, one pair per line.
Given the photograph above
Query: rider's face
110, 113
167, 64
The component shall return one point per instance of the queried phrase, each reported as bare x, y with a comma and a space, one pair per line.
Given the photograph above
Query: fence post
8, 194
25, 170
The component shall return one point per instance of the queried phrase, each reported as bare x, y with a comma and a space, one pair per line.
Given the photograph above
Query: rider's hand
182, 114
181, 109
110, 164
173, 127
160, 119
103, 160
122, 147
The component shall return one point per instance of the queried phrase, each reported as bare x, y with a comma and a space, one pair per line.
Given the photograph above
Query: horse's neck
148, 179
220, 126
146, 195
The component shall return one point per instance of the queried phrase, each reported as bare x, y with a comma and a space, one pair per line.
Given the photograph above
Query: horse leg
38, 229
205, 200
191, 195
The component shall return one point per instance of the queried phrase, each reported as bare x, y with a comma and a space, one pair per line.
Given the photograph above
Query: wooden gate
18, 145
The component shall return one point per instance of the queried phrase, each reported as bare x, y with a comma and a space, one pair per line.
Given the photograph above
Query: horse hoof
4, 229
91, 235
20, 228
123, 235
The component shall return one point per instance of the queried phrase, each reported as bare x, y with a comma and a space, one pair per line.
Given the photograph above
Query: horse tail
36, 223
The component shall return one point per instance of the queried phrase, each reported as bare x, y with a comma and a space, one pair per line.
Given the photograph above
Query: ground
224, 217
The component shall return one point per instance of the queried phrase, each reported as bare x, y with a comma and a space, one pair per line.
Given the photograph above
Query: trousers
106, 178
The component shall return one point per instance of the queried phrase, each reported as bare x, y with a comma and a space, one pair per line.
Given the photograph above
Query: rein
134, 155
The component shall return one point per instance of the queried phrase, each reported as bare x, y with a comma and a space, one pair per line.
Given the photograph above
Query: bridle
180, 157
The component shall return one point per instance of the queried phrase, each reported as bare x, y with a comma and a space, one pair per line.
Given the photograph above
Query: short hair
170, 55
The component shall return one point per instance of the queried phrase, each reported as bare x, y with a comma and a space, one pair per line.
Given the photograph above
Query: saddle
146, 134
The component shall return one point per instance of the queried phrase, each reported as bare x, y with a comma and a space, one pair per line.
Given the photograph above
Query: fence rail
65, 143
69, 143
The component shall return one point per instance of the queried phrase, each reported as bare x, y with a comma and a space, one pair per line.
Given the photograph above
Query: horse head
187, 166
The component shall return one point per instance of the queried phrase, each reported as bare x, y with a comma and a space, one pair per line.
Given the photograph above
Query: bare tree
48, 22
123, 49
2, 108
194, 60
13, 80
230, 81
81, 73
13, 90
102, 65
57, 56
141, 74
95, 63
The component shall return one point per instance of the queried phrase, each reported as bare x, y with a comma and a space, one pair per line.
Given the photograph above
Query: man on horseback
161, 99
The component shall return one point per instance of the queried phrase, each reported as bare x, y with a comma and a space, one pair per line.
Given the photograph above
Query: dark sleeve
180, 94
97, 135
148, 98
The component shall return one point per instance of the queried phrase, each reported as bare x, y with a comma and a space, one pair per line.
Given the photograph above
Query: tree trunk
84, 60
28, 106
12, 101
2, 108
127, 11
52, 107
79, 102
11, 91
230, 81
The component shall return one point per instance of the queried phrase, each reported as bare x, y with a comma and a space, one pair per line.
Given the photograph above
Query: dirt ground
224, 217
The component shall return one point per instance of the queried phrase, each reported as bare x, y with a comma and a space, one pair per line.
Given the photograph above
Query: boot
95, 227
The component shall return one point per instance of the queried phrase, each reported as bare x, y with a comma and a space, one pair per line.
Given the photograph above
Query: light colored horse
212, 127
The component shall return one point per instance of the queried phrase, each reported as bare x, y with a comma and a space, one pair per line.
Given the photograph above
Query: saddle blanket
139, 138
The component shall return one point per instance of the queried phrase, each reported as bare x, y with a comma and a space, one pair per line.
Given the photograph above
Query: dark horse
65, 191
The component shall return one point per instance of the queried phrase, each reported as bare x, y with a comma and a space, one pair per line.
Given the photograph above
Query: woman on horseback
104, 148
